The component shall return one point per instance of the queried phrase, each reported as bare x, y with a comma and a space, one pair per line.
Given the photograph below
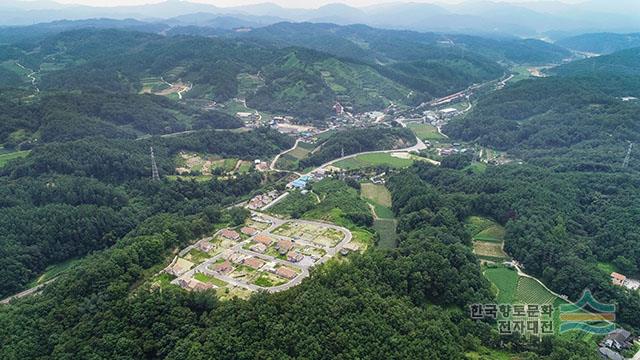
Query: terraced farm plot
248, 84
476, 224
489, 250
153, 85
290, 159
531, 292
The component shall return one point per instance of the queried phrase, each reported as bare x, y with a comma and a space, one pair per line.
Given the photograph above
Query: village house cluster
267, 254
260, 201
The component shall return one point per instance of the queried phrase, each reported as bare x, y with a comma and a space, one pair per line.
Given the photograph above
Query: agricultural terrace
425, 131
153, 85
488, 238
379, 199
191, 164
290, 159
8, 156
512, 288
264, 254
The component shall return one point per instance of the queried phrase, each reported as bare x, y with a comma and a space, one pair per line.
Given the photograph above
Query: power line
627, 158
154, 167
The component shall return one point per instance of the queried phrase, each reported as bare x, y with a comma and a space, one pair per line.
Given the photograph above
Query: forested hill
601, 43
622, 63
297, 81
67, 199
381, 45
583, 118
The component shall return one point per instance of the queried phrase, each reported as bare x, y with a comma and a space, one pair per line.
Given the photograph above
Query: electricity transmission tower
154, 167
627, 158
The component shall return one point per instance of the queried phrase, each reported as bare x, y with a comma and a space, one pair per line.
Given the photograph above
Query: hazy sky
287, 3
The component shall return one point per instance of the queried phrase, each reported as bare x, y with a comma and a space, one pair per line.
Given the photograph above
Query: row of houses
255, 263
260, 201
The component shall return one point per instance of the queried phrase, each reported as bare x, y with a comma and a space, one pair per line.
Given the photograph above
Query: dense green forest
67, 199
600, 43
62, 116
298, 81
377, 305
82, 192
565, 122
572, 204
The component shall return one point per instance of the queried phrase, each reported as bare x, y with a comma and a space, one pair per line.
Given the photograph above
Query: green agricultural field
290, 159
386, 228
531, 292
476, 224
196, 256
245, 167
505, 281
494, 233
209, 279
477, 167
373, 160
5, 158
425, 131
377, 194
608, 268
153, 85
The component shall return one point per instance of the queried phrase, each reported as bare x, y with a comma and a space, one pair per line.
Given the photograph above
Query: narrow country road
27, 292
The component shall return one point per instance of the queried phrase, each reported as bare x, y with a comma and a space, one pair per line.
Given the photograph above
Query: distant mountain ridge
601, 43
477, 17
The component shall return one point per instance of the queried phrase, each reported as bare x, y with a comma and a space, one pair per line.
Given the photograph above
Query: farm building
205, 246
299, 183
606, 353
194, 285
618, 279
618, 339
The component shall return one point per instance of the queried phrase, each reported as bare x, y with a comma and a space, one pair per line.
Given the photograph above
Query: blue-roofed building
300, 183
